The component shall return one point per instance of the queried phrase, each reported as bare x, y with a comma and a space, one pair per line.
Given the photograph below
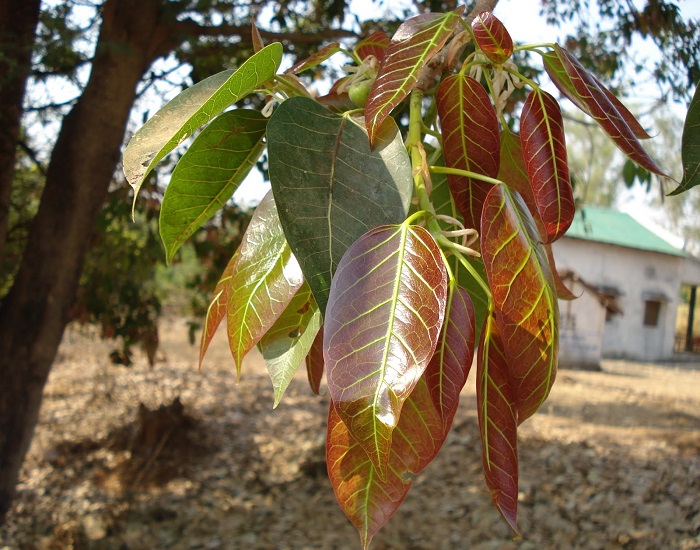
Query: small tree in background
410, 221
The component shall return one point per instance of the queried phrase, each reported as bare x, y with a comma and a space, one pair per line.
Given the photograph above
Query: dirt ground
612, 461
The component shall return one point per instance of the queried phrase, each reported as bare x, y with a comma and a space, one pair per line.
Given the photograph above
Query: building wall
582, 322
639, 276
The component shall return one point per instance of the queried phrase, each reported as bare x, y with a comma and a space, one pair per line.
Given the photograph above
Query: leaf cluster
382, 259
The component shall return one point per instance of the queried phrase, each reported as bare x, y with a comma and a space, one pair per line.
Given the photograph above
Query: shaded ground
613, 461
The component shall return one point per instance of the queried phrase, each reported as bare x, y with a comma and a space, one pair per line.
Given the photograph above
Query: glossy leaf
384, 316
495, 402
331, 187
690, 146
416, 41
285, 346
209, 173
367, 499
193, 108
470, 140
544, 151
492, 37
447, 371
265, 279
314, 363
558, 73
526, 308
216, 311
604, 111
375, 44
315, 59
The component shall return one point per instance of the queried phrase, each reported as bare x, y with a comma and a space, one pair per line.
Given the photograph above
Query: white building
629, 282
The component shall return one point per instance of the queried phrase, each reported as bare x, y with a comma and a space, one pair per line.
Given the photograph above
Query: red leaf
416, 41
315, 59
544, 150
255, 36
526, 307
557, 72
495, 404
383, 319
217, 308
368, 500
492, 37
470, 141
314, 363
447, 371
604, 112
375, 44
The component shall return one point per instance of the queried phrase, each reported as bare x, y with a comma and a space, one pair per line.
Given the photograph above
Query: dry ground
612, 461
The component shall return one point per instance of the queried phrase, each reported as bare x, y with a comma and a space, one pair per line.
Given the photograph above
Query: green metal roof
604, 225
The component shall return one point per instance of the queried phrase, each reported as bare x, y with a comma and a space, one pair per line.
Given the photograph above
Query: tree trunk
18, 22
34, 314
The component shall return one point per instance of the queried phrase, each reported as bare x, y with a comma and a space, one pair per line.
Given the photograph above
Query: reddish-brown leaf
492, 37
314, 363
217, 308
383, 319
526, 308
367, 499
375, 44
258, 43
447, 371
605, 113
495, 402
315, 59
470, 141
416, 41
544, 151
557, 72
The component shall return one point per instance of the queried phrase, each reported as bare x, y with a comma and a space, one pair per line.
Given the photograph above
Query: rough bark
18, 22
35, 312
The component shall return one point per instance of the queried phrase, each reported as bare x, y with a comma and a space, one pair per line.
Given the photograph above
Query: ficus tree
409, 224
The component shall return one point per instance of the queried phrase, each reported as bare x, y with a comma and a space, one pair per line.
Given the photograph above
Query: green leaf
690, 146
217, 308
289, 340
209, 173
526, 308
599, 105
492, 37
416, 41
366, 498
544, 151
495, 405
470, 141
385, 312
193, 108
330, 187
314, 363
447, 371
265, 278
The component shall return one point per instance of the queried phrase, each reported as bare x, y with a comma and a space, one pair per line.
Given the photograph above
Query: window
652, 308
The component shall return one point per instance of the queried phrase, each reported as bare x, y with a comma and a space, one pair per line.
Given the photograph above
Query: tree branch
244, 32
